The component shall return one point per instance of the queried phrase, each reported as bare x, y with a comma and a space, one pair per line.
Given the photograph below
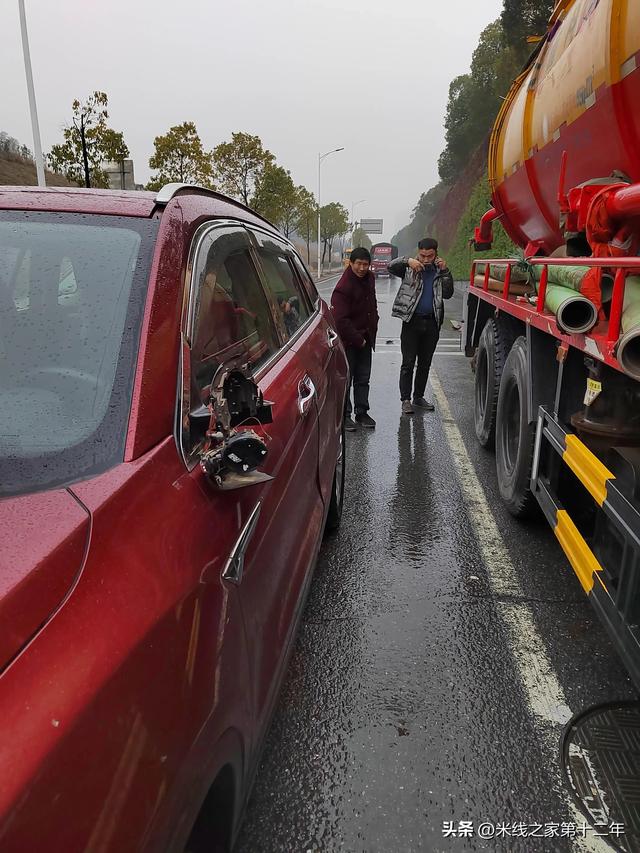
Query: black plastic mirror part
244, 400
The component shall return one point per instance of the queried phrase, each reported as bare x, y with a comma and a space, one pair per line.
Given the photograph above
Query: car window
283, 285
306, 279
232, 316
72, 291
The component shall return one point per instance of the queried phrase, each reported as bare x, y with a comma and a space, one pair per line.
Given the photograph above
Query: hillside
452, 208
19, 171
456, 249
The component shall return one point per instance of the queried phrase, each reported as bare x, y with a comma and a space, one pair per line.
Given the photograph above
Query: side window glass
232, 317
284, 287
309, 286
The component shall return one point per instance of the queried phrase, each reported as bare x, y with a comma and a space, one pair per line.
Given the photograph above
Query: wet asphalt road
416, 693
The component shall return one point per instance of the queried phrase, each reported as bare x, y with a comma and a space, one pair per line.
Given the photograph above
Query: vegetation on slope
474, 101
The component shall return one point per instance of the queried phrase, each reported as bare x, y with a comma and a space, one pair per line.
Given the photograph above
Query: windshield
72, 291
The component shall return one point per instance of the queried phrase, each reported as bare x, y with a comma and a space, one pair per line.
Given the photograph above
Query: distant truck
381, 256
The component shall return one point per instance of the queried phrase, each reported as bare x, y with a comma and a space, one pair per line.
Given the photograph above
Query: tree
522, 18
88, 141
11, 146
306, 217
180, 158
475, 98
334, 220
360, 238
421, 223
276, 198
239, 165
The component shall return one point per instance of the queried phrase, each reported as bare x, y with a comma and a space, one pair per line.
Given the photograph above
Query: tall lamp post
37, 147
321, 157
353, 222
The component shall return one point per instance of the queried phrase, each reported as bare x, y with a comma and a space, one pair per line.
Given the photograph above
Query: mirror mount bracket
233, 450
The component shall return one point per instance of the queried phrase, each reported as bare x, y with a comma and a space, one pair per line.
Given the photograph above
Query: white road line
540, 684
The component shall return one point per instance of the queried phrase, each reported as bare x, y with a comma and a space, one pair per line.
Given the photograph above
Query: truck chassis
564, 418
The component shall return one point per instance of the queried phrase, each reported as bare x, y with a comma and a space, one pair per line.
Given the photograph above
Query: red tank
578, 97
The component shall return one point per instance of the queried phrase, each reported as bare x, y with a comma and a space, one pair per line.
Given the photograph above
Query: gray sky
305, 75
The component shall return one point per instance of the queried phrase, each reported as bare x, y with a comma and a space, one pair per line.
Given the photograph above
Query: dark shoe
407, 408
421, 403
366, 421
350, 425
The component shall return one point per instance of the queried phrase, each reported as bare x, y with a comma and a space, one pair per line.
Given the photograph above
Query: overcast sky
305, 75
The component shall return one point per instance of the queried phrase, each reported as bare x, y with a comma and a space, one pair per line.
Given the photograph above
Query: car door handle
332, 338
306, 393
234, 567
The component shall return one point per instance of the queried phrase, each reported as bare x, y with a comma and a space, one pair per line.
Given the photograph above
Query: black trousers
360, 370
418, 339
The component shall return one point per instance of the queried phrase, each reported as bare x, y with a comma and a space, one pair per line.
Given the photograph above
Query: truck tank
579, 94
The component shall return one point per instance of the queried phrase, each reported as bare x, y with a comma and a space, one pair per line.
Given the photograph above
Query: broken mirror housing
235, 451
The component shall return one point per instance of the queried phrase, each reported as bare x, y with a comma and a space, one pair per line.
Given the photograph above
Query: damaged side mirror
233, 449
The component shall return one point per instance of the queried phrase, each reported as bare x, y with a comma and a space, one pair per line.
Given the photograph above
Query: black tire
334, 515
493, 348
514, 435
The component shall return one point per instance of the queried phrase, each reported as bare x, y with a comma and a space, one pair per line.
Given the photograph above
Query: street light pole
353, 223
37, 147
320, 159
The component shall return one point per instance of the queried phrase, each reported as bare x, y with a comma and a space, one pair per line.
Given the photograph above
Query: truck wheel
514, 435
491, 355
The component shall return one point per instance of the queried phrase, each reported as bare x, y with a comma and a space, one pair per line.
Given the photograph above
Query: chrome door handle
234, 566
306, 393
332, 337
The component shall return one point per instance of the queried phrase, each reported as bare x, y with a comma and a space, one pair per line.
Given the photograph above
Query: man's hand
415, 265
441, 263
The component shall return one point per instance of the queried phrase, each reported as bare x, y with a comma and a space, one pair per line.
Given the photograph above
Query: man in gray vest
426, 282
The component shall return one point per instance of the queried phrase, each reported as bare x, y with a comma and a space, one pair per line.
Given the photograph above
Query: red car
172, 450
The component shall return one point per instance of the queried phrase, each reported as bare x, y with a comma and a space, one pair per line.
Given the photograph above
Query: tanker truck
555, 334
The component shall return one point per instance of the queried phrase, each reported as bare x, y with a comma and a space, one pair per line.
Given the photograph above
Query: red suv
172, 450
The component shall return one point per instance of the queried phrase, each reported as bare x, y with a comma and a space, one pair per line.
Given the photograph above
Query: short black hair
360, 254
428, 243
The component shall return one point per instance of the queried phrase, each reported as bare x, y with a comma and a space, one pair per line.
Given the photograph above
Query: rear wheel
334, 514
515, 436
493, 348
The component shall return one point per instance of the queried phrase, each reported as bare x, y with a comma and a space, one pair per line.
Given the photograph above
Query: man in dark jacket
426, 281
354, 306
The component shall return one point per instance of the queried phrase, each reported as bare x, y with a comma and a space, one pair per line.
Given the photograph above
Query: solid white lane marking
540, 683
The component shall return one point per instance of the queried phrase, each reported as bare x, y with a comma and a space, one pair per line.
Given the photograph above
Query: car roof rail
169, 191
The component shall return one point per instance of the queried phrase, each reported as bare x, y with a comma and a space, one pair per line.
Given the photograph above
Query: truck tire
514, 435
493, 348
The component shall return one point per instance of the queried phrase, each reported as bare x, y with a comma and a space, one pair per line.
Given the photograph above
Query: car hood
43, 540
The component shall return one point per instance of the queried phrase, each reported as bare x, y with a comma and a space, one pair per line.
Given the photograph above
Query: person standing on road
355, 309
426, 282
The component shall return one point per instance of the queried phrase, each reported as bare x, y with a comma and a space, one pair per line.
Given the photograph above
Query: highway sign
371, 226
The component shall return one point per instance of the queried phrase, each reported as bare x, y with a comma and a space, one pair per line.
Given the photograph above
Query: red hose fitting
483, 236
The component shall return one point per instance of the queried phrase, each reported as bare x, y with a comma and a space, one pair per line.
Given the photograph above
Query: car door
279, 521
325, 359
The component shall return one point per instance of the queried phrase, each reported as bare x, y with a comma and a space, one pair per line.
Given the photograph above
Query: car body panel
137, 669
43, 538
325, 359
